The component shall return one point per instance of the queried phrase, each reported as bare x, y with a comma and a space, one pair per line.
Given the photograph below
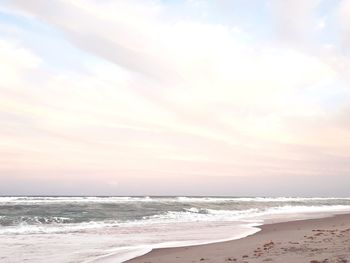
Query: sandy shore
324, 240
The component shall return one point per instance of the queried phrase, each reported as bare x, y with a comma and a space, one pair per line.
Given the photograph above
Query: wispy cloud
174, 94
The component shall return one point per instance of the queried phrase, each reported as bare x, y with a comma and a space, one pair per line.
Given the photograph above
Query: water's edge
256, 228
147, 249
117, 229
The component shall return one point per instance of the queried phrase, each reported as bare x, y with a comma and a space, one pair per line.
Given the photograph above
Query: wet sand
325, 240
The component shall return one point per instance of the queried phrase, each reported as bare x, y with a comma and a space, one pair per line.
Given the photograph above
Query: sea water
114, 229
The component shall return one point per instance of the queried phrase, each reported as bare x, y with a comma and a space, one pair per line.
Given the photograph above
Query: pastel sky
175, 97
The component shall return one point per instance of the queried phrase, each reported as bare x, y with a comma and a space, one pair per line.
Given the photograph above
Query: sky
175, 97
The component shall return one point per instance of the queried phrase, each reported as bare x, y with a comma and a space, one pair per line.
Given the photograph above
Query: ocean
114, 229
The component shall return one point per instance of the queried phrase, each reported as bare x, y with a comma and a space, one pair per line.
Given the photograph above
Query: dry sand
324, 240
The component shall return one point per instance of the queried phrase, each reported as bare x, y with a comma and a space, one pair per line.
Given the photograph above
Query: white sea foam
257, 199
49, 200
55, 228
188, 215
110, 229
194, 214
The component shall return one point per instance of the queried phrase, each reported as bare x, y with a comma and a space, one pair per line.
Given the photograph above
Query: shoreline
323, 240
251, 229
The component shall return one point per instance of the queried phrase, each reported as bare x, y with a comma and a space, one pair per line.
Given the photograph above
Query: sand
325, 240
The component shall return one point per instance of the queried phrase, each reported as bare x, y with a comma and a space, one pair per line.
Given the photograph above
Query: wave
33, 220
188, 215
24, 200
256, 199
65, 200
195, 214
196, 210
57, 228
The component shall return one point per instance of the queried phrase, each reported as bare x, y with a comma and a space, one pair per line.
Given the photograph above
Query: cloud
344, 19
15, 61
133, 43
153, 96
294, 19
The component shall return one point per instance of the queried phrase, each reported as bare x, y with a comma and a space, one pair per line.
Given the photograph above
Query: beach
324, 240
174, 131
115, 229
